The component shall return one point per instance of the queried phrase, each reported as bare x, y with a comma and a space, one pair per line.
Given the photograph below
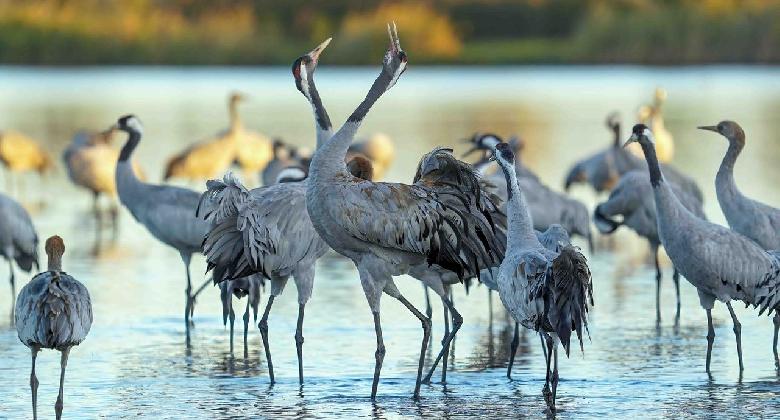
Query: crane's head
236, 97
129, 123
394, 63
728, 129
640, 134
613, 120
504, 155
291, 174
360, 167
55, 247
487, 141
303, 69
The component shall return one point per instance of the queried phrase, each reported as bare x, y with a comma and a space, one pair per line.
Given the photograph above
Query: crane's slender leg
676, 278
737, 333
513, 349
457, 321
246, 329
657, 286
547, 347
12, 280
555, 372
185, 257
776, 321
710, 338
428, 308
63, 365
263, 325
490, 307
202, 287
232, 318
114, 211
443, 344
34, 383
426, 325
299, 341
96, 210
379, 354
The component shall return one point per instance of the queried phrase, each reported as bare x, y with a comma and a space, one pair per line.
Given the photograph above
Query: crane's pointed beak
708, 128
470, 151
315, 53
633, 139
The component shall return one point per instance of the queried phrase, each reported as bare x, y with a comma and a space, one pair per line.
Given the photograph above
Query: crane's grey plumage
720, 263
603, 169
167, 212
631, 204
54, 311
544, 290
267, 230
18, 241
439, 170
756, 220
547, 207
387, 228
248, 287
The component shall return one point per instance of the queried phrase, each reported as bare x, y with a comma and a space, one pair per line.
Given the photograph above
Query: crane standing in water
721, 263
544, 290
756, 220
54, 311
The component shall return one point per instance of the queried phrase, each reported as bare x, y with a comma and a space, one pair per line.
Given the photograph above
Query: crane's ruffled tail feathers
225, 296
26, 260
224, 250
768, 291
572, 292
222, 199
576, 174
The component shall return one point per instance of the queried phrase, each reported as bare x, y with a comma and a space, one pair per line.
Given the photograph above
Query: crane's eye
721, 127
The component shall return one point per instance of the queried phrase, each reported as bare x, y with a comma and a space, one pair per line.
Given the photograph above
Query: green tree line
249, 32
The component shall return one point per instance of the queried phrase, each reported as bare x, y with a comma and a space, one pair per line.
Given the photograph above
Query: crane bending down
756, 220
720, 263
547, 207
545, 291
167, 212
267, 230
18, 241
54, 311
631, 204
386, 228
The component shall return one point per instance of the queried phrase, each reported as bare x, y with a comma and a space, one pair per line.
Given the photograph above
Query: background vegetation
74, 32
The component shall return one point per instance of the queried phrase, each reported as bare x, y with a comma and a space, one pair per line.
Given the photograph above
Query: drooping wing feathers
571, 293
270, 233
460, 186
768, 290
221, 199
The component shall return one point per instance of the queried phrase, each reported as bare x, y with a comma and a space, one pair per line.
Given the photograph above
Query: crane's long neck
724, 180
235, 118
125, 177
520, 227
328, 161
55, 262
616, 132
321, 117
656, 177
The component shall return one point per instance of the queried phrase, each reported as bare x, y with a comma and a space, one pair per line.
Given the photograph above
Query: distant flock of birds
455, 222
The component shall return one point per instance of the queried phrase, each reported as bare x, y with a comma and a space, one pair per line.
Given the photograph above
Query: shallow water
134, 361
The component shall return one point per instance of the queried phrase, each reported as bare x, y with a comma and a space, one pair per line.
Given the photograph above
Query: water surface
134, 362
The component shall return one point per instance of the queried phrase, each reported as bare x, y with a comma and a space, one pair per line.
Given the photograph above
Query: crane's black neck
132, 141
652, 163
320, 114
377, 89
616, 132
